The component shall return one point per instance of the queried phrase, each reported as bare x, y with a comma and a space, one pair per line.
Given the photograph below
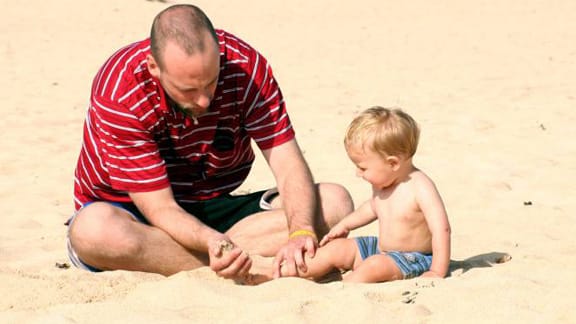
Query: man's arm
296, 186
162, 211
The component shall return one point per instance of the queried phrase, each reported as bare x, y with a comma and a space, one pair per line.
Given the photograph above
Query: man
167, 138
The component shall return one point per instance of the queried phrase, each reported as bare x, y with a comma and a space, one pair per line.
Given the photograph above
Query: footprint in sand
409, 297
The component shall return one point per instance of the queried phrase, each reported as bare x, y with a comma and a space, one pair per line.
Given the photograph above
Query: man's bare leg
106, 237
266, 232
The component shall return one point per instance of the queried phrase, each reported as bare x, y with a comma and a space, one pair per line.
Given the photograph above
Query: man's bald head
185, 25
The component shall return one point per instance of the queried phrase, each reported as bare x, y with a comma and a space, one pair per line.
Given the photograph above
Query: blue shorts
411, 264
219, 213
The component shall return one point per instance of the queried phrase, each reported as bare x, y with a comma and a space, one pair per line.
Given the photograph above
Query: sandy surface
492, 84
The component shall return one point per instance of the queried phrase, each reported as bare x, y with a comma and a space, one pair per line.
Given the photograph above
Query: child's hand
430, 274
337, 231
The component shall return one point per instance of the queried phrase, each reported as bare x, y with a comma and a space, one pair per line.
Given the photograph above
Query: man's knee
335, 199
335, 202
98, 230
87, 224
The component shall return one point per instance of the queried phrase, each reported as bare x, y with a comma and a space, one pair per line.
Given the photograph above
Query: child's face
372, 167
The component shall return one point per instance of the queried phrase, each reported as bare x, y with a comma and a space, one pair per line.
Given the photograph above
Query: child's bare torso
402, 225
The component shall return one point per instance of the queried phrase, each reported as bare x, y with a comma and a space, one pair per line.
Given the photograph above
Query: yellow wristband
302, 233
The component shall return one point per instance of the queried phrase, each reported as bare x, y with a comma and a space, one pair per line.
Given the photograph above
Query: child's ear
394, 162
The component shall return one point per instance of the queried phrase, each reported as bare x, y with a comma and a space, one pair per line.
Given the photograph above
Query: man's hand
291, 256
227, 260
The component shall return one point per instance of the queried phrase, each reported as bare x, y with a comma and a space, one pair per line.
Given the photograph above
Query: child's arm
431, 204
363, 215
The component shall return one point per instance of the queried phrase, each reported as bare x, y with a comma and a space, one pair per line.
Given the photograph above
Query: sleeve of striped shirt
267, 120
127, 147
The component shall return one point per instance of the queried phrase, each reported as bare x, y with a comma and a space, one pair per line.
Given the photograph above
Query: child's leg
340, 254
377, 268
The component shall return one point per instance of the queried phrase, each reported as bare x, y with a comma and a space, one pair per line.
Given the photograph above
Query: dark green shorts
219, 213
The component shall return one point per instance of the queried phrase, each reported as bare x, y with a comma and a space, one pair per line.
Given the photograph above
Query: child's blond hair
386, 131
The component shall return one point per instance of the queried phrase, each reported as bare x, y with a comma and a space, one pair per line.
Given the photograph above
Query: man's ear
153, 66
394, 162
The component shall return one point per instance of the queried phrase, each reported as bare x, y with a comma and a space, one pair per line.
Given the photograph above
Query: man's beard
188, 112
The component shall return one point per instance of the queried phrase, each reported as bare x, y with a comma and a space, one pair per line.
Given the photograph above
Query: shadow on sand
479, 261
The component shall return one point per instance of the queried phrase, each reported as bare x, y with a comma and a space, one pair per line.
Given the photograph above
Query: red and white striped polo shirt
134, 141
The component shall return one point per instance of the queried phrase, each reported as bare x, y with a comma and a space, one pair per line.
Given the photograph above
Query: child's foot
261, 271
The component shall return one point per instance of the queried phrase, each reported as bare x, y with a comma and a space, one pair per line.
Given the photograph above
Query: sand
492, 84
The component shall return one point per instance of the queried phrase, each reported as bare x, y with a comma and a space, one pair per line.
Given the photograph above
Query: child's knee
344, 252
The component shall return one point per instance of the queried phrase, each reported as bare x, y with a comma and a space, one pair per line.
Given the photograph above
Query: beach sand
491, 83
